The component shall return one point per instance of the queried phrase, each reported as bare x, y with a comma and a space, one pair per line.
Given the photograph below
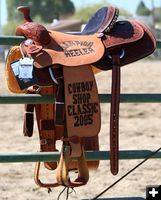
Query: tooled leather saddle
64, 64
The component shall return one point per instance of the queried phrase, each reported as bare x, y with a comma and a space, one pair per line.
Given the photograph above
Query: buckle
43, 141
27, 112
58, 102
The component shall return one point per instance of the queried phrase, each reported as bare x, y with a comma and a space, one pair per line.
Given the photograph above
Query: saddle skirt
142, 43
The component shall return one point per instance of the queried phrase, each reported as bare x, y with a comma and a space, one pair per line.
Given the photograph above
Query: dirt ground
140, 128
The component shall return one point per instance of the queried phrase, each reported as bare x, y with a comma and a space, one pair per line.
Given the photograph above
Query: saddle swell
31, 29
62, 66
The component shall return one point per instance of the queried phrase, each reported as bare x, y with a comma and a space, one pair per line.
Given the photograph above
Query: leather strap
29, 114
28, 120
45, 120
91, 144
59, 103
114, 114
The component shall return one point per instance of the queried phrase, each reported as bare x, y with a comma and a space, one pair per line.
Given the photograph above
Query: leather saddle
63, 64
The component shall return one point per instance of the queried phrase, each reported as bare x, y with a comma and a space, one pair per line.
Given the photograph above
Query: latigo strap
28, 120
114, 113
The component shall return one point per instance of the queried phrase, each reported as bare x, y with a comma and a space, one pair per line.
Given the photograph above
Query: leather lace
67, 192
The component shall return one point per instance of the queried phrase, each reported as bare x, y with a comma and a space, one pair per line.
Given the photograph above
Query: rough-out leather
14, 54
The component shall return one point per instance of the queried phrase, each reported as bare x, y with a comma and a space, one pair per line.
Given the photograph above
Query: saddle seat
101, 22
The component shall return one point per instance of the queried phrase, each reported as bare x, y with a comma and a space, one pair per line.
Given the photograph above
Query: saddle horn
25, 10
41, 36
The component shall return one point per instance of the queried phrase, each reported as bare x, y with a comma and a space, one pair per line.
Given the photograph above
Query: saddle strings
129, 172
67, 192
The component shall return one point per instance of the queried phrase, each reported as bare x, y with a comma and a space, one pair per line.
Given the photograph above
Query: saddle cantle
102, 21
64, 65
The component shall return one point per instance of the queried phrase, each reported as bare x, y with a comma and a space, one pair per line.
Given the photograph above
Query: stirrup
62, 173
37, 178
